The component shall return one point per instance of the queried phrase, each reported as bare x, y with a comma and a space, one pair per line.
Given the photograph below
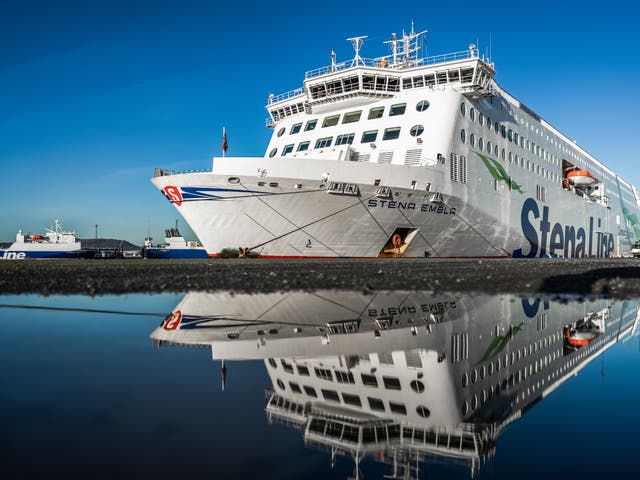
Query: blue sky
94, 95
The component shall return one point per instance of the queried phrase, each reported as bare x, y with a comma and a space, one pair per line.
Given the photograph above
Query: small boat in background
55, 243
174, 247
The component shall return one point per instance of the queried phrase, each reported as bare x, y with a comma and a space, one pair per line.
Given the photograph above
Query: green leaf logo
498, 172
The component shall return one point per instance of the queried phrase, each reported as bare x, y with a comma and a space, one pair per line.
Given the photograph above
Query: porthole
463, 136
489, 148
423, 105
416, 130
273, 363
474, 376
273, 152
496, 126
495, 150
233, 180
465, 408
502, 154
423, 411
481, 119
474, 402
417, 386
281, 132
491, 367
483, 371
472, 114
481, 144
280, 384
465, 379
463, 109
472, 140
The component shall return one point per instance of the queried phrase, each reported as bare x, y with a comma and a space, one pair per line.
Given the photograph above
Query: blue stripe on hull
22, 254
175, 253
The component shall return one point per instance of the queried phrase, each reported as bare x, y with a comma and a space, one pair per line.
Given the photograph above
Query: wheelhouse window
273, 152
351, 117
295, 128
287, 149
397, 109
331, 121
324, 142
368, 136
346, 139
391, 133
376, 112
302, 146
311, 124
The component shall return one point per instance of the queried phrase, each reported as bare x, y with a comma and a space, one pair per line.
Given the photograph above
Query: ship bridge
363, 80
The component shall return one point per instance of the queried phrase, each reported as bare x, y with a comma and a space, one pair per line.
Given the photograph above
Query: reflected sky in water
423, 385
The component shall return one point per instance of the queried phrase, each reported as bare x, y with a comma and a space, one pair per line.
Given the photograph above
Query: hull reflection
402, 378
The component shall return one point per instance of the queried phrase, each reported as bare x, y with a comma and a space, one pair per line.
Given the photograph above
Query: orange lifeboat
579, 338
36, 237
581, 177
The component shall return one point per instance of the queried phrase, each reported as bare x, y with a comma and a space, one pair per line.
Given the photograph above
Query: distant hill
106, 243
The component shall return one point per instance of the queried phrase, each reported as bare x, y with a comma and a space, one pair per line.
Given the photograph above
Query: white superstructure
408, 155
411, 374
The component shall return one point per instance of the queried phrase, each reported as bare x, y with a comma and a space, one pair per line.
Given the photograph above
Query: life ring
396, 240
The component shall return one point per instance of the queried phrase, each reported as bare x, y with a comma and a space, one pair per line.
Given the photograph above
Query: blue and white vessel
55, 243
174, 247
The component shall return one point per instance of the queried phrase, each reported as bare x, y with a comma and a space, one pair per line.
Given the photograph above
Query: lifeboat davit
581, 177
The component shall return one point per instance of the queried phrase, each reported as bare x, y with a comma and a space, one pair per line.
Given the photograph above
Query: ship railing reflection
360, 434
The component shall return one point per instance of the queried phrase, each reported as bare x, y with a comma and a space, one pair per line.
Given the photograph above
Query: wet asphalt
619, 278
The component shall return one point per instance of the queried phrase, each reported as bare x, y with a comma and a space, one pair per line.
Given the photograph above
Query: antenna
356, 42
394, 47
333, 60
490, 53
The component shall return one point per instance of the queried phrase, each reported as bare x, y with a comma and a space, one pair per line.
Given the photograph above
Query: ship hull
287, 216
175, 253
39, 254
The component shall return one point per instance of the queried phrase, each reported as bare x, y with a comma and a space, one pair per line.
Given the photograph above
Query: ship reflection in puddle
402, 378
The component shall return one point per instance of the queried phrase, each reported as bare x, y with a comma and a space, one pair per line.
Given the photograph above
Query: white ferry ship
411, 374
55, 243
408, 155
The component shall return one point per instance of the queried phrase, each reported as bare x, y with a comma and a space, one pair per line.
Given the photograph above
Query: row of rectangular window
390, 383
349, 117
375, 404
392, 133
